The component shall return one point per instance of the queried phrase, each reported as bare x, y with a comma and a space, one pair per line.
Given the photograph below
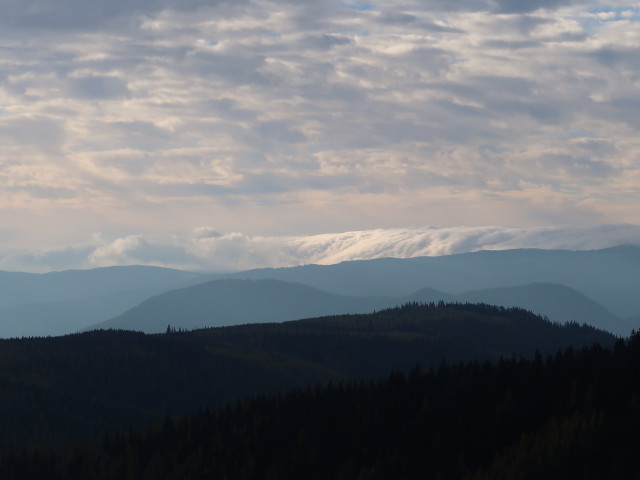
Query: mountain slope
232, 302
633, 322
431, 295
557, 302
607, 276
64, 317
58, 303
54, 389
572, 415
17, 288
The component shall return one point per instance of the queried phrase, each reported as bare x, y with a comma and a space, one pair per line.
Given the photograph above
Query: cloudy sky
226, 134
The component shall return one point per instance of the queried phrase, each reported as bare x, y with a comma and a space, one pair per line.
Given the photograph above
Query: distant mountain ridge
229, 302
557, 302
62, 302
17, 288
234, 301
608, 276
68, 316
57, 303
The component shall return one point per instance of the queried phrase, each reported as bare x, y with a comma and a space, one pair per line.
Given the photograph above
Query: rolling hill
233, 302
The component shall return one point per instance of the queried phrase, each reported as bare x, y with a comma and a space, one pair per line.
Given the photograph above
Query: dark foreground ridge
57, 390
574, 414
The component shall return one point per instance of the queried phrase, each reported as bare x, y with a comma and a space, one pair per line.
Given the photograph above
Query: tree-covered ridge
572, 414
226, 302
56, 389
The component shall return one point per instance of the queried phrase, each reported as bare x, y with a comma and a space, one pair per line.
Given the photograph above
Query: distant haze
204, 249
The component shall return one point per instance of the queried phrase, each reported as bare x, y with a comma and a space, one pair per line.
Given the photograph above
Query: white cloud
205, 249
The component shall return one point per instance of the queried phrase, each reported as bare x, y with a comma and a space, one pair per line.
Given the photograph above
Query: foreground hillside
57, 389
574, 414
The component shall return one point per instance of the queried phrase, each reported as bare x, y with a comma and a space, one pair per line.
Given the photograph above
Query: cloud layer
280, 118
204, 249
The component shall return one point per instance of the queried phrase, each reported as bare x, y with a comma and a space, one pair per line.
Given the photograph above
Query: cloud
281, 117
205, 249
22, 132
70, 14
99, 88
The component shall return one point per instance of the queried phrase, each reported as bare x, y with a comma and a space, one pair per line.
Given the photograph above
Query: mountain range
597, 287
233, 301
466, 320
58, 303
608, 276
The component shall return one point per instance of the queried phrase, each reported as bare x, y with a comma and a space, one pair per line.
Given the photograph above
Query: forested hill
228, 302
574, 414
57, 389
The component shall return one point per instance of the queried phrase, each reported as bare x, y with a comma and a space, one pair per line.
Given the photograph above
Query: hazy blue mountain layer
60, 318
633, 322
64, 302
233, 302
558, 302
18, 288
61, 302
608, 276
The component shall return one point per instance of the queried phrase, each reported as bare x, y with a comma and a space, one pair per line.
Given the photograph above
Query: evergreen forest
451, 391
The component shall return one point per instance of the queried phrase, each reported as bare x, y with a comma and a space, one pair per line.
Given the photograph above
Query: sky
231, 134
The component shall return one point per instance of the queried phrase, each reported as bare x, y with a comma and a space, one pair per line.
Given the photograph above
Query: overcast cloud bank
278, 118
207, 250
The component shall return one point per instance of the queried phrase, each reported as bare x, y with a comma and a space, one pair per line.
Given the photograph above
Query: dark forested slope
574, 414
55, 389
